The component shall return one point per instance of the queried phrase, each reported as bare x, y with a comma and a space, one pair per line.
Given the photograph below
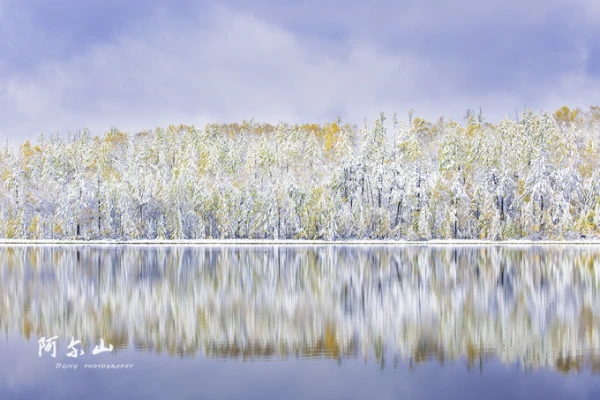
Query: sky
138, 64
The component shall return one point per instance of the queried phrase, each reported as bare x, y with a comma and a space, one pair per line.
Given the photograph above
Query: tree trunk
398, 213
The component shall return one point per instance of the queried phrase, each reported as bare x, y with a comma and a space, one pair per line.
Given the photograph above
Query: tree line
535, 177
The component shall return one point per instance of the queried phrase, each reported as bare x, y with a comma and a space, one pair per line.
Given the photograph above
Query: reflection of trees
536, 306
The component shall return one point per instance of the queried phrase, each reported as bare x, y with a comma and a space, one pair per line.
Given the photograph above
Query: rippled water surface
300, 322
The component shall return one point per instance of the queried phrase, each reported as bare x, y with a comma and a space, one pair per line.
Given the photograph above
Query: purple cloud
139, 64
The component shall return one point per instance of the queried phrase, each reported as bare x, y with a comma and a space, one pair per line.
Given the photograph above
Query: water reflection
537, 306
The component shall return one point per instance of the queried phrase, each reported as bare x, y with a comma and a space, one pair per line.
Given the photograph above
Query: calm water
300, 322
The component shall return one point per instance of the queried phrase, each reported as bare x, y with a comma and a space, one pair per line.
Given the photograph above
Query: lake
299, 322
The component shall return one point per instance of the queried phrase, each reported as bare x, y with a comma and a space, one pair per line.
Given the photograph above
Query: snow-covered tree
538, 177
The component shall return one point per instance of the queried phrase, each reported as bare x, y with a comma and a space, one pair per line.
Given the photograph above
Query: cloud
235, 67
310, 61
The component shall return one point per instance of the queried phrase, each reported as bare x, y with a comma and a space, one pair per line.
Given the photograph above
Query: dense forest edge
536, 178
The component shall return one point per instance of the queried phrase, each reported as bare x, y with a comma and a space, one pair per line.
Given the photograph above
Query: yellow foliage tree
331, 136
565, 115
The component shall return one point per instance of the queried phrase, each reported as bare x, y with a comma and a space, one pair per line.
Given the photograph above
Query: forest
535, 177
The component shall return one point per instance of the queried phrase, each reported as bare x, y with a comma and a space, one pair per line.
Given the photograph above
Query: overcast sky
135, 64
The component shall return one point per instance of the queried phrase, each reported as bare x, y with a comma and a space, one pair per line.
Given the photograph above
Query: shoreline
290, 242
